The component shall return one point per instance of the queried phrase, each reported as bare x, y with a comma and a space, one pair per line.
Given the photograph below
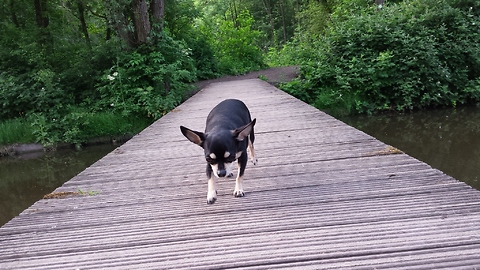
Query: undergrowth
16, 131
411, 55
75, 128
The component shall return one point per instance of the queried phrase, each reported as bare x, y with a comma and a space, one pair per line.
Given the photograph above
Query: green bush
144, 83
203, 56
35, 92
58, 78
414, 54
149, 81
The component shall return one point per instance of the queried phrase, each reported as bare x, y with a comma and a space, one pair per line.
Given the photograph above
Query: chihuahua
228, 134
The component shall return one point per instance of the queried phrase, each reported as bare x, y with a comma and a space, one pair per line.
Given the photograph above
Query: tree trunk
158, 14
283, 23
13, 15
119, 22
41, 16
83, 24
141, 21
234, 14
268, 9
108, 34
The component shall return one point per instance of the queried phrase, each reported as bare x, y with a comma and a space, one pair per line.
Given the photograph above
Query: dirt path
273, 75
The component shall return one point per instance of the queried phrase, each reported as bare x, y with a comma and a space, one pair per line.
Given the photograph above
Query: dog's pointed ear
242, 132
193, 136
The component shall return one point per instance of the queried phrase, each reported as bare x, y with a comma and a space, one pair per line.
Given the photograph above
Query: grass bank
16, 131
80, 129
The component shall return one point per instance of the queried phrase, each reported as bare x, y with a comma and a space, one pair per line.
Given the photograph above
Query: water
26, 179
446, 139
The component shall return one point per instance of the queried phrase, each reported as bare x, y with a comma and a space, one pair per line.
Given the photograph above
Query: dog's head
221, 147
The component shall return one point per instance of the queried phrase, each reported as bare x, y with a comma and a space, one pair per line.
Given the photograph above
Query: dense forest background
75, 69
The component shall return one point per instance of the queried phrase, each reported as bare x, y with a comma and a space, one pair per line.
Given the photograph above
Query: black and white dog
228, 133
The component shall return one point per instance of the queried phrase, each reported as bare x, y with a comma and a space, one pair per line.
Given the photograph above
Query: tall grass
111, 124
100, 124
16, 131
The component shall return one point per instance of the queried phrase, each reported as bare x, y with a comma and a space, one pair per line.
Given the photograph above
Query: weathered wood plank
323, 196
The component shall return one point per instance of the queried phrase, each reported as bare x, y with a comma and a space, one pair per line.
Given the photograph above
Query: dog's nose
221, 173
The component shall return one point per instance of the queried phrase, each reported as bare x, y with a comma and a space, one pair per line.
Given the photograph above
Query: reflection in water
448, 140
26, 179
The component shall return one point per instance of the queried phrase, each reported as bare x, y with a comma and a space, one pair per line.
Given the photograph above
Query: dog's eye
210, 160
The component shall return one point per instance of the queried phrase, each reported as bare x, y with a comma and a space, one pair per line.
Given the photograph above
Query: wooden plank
323, 196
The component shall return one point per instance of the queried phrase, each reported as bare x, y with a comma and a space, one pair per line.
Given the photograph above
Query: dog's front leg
238, 191
242, 163
212, 189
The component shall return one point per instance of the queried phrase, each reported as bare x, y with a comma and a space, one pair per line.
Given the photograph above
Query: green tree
234, 41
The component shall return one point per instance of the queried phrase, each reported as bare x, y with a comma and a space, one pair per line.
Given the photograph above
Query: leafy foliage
57, 78
63, 64
414, 54
235, 44
148, 81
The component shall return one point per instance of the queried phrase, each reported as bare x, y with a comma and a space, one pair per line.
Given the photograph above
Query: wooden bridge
323, 196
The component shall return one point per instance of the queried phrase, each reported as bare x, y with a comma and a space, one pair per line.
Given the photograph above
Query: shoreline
274, 76
20, 149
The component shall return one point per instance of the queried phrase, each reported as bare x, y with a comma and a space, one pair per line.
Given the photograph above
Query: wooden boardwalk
323, 196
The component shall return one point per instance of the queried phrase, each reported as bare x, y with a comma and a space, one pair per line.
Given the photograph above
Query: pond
26, 179
446, 139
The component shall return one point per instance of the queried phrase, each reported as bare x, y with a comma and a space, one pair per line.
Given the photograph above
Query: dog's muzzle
222, 173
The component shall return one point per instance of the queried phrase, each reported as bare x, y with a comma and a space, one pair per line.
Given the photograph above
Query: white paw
238, 193
211, 197
254, 161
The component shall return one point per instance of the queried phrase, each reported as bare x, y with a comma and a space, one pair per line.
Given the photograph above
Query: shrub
414, 54
149, 81
35, 92
203, 55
